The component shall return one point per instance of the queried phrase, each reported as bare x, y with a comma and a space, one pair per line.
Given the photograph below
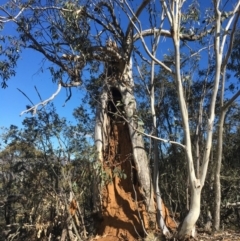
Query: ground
226, 235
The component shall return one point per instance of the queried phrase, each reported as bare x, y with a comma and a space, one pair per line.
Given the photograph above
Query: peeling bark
104, 129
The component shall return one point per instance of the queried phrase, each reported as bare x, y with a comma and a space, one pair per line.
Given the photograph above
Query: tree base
124, 214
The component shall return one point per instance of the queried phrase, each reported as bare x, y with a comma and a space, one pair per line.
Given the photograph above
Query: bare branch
141, 56
196, 53
148, 51
25, 96
38, 93
236, 9
113, 16
69, 97
160, 139
148, 135
10, 17
169, 14
232, 35
226, 106
33, 109
141, 76
71, 84
135, 16
228, 204
168, 33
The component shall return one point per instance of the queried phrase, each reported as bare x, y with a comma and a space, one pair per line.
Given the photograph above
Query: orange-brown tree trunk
126, 194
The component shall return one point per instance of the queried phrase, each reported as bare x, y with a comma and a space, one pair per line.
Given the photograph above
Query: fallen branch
228, 204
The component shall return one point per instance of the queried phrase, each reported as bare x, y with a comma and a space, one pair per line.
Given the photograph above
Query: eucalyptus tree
100, 38
225, 104
175, 16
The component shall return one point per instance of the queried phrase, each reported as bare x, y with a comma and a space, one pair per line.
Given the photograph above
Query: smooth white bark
160, 214
188, 225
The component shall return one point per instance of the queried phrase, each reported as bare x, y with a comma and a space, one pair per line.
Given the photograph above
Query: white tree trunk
217, 182
188, 225
139, 154
160, 214
101, 125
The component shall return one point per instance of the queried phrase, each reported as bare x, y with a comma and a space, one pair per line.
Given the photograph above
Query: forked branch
33, 109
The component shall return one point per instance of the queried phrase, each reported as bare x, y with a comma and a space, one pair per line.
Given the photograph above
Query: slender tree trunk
217, 182
139, 154
224, 108
160, 214
188, 225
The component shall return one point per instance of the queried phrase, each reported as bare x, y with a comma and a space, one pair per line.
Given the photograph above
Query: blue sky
13, 102
28, 75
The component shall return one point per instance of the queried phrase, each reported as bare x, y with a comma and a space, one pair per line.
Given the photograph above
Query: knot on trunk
197, 183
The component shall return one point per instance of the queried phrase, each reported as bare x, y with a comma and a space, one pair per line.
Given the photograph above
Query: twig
144, 43
38, 93
141, 132
228, 204
69, 97
25, 95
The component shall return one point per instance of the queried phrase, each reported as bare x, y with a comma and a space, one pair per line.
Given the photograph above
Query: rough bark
113, 147
139, 154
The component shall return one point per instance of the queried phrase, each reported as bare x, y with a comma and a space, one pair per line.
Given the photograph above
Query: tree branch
135, 16
10, 17
148, 51
229, 102
114, 19
236, 9
168, 33
33, 109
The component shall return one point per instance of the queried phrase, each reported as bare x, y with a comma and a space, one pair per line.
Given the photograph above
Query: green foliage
117, 172
44, 167
10, 48
235, 56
